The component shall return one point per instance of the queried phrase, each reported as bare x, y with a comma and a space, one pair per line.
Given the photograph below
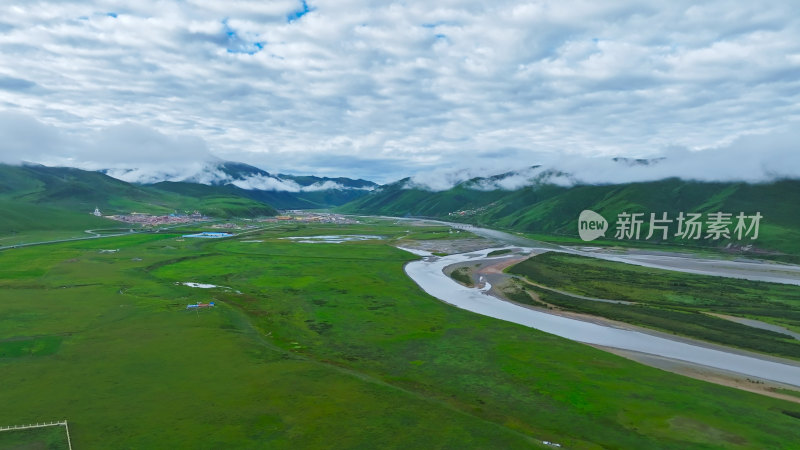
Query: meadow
321, 346
50, 438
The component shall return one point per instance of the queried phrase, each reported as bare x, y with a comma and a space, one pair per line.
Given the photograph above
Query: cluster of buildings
151, 220
296, 216
309, 217
465, 212
471, 212
208, 235
233, 226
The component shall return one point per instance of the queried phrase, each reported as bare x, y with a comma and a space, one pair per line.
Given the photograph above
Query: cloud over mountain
392, 89
754, 158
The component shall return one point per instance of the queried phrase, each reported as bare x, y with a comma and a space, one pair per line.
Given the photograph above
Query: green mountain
281, 191
34, 197
69, 188
236, 171
543, 208
277, 199
396, 199
309, 180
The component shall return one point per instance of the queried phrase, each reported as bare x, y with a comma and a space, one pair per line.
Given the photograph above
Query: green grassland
321, 345
46, 438
19, 218
670, 301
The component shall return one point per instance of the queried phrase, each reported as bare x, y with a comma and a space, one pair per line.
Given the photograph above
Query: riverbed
428, 274
746, 269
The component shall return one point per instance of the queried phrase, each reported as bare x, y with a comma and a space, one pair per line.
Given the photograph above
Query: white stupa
97, 212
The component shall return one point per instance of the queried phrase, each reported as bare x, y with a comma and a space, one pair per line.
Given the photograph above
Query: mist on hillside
753, 159
140, 154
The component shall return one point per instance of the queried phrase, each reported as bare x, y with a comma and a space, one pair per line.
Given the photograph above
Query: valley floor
315, 345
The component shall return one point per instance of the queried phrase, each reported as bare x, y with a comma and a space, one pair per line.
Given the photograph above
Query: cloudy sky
383, 90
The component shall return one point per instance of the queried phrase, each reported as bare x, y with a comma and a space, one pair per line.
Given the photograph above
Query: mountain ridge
282, 191
547, 208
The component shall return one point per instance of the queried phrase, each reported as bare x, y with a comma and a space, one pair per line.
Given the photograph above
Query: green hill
279, 199
76, 189
18, 217
396, 200
299, 191
218, 201
34, 197
553, 210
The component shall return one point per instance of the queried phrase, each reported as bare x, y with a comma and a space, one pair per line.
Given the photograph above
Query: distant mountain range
533, 199
281, 191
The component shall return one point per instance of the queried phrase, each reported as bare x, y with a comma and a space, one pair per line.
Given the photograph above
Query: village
145, 219
298, 216
290, 216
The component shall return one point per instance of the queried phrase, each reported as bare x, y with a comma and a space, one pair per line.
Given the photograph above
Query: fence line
41, 425
69, 441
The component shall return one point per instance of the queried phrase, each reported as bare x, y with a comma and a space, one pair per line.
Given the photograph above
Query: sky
383, 90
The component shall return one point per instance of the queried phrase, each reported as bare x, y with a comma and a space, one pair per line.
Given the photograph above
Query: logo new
591, 225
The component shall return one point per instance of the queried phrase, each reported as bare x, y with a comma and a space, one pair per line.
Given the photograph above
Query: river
746, 269
428, 274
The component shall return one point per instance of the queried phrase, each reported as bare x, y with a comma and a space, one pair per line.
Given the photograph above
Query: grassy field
319, 346
670, 301
49, 438
667, 246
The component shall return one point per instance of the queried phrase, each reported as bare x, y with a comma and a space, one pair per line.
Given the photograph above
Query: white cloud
263, 183
753, 158
410, 86
324, 186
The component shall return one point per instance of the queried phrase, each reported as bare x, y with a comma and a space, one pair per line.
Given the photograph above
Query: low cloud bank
210, 174
263, 183
132, 153
753, 159
141, 154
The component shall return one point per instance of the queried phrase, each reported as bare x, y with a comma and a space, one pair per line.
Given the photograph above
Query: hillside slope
554, 210
34, 197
